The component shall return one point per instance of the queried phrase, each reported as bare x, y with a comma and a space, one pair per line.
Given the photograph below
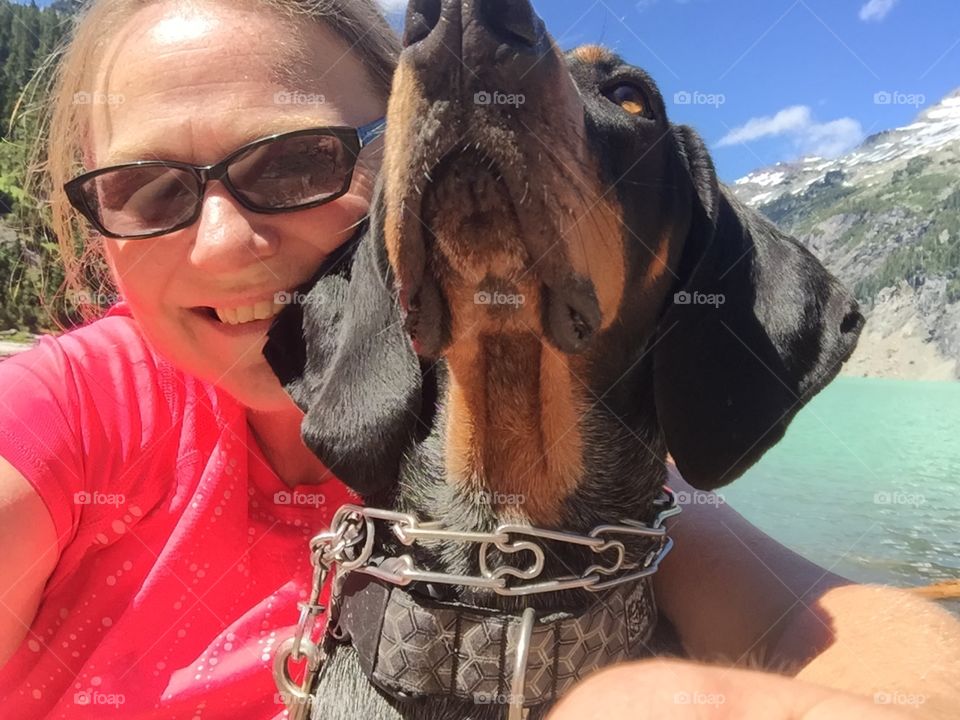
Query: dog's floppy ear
342, 354
756, 327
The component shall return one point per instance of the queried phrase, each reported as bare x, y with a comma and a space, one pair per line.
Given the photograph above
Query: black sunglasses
276, 174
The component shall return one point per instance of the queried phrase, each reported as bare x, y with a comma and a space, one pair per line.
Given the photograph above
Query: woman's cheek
329, 226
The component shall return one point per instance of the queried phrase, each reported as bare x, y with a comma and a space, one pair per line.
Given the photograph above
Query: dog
552, 293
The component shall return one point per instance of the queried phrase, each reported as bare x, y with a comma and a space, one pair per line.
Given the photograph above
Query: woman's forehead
179, 82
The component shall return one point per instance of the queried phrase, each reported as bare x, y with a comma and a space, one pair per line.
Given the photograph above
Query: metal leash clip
300, 647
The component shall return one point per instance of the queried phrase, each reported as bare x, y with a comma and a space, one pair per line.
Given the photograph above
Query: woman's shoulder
97, 409
101, 389
112, 363
115, 337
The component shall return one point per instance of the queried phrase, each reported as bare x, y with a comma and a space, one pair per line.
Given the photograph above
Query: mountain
886, 219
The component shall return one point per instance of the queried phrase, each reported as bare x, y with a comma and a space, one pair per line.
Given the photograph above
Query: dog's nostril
852, 322
422, 17
512, 21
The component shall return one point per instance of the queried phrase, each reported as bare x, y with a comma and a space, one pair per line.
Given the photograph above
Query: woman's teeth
261, 311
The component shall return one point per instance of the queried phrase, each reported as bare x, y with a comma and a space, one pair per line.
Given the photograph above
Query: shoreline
862, 366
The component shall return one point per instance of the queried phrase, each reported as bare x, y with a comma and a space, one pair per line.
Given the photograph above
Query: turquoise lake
866, 482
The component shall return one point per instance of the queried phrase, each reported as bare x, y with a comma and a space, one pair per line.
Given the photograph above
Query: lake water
866, 482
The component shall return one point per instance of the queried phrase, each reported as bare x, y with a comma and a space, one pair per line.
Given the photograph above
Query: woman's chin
257, 388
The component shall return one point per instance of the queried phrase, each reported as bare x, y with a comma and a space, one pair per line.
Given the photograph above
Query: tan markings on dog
594, 245
406, 102
591, 53
659, 263
513, 428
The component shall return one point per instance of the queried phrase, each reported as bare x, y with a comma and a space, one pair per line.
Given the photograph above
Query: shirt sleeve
76, 410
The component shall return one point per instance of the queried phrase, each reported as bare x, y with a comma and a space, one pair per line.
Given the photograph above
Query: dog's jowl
553, 293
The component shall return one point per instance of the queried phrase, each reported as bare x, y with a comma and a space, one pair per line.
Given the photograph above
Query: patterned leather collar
410, 646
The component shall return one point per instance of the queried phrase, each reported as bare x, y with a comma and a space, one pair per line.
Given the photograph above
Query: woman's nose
228, 236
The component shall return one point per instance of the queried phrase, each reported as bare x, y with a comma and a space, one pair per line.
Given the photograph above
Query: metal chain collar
348, 546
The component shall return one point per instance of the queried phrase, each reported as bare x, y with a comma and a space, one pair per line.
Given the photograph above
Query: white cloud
786, 121
876, 10
833, 138
810, 137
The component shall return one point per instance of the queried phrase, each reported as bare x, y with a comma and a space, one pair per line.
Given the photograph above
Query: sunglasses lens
142, 200
290, 172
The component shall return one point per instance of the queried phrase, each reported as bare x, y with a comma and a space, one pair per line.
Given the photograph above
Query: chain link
355, 526
348, 546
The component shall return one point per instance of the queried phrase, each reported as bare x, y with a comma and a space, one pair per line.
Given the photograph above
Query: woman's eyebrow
167, 149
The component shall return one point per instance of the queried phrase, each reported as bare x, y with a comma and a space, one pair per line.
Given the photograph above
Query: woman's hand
673, 690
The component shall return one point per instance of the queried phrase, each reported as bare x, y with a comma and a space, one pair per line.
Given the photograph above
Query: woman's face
194, 84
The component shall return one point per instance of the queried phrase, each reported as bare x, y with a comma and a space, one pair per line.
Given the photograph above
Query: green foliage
815, 201
918, 212
30, 267
27, 36
915, 167
953, 290
937, 253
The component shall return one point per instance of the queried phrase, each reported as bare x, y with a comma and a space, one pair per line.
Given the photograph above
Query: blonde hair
58, 149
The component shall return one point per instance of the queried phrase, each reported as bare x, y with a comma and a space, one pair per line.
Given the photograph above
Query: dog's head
535, 193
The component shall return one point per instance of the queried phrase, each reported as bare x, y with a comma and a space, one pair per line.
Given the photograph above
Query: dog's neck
513, 425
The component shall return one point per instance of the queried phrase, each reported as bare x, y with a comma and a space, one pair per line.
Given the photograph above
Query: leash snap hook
297, 698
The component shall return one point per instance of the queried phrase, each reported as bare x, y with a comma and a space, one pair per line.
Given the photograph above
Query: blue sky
772, 80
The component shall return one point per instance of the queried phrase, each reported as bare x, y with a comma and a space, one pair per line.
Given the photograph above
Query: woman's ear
343, 356
756, 328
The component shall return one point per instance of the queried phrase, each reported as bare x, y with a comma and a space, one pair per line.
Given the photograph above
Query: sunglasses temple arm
370, 132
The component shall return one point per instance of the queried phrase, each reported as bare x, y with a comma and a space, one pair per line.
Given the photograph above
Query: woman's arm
29, 544
731, 590
738, 597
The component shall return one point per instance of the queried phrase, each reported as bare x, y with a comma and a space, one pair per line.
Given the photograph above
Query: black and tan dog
553, 293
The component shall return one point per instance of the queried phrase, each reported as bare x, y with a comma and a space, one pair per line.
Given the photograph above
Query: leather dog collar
411, 646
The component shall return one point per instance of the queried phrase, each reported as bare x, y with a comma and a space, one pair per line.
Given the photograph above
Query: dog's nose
511, 22
492, 24
423, 16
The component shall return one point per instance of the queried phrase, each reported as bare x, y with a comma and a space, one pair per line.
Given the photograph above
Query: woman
155, 497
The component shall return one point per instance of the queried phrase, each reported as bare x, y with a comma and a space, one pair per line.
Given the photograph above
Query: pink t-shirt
182, 554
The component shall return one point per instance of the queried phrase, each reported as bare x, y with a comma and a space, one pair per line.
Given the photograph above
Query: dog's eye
630, 98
